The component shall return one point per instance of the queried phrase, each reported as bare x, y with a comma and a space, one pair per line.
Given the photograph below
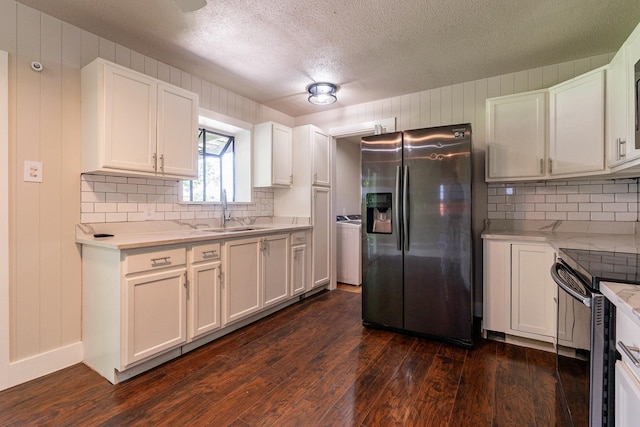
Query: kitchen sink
228, 230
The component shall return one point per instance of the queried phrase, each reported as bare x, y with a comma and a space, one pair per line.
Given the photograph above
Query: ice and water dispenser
379, 213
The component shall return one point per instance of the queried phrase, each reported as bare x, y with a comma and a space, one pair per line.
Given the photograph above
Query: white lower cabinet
241, 288
204, 290
256, 275
627, 380
519, 294
321, 218
298, 263
275, 269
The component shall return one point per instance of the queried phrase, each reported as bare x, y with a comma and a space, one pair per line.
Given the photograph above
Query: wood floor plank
311, 364
474, 403
435, 400
513, 399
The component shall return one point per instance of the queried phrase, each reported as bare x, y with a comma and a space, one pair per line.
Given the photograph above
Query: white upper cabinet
320, 142
617, 97
576, 125
272, 155
136, 125
516, 136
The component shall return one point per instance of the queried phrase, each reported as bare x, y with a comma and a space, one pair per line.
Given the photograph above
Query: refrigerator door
437, 259
381, 157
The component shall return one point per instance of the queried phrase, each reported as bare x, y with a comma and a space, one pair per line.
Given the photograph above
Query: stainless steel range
586, 351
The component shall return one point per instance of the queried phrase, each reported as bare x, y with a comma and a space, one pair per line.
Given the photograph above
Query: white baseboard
39, 365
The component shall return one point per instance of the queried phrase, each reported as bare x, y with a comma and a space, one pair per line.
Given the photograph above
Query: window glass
215, 169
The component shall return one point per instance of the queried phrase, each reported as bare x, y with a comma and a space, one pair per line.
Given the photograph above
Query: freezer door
437, 261
382, 292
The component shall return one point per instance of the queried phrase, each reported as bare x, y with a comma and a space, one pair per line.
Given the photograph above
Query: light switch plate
32, 171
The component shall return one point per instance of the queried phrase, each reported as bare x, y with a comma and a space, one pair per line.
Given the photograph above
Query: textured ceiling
270, 50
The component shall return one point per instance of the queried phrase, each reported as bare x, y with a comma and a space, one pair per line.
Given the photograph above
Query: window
215, 169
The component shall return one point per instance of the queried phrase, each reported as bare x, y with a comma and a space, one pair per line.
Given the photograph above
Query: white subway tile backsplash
585, 200
107, 198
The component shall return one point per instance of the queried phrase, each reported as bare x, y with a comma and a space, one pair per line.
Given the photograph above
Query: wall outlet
32, 171
149, 212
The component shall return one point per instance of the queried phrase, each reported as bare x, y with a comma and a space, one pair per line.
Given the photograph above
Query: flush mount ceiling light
322, 93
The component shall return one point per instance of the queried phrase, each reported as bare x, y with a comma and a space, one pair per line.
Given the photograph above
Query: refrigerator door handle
405, 208
396, 209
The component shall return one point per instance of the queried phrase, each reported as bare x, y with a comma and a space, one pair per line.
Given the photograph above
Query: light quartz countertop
157, 233
610, 237
625, 297
599, 236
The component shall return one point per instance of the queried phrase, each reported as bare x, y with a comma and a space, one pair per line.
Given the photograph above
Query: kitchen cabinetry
272, 155
620, 145
530, 137
516, 136
136, 125
241, 287
256, 275
518, 290
134, 305
627, 380
321, 218
298, 263
204, 290
275, 269
576, 125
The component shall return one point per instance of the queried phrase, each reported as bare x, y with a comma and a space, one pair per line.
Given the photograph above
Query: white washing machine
349, 245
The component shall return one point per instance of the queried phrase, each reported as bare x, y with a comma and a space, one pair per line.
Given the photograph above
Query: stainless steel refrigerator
416, 232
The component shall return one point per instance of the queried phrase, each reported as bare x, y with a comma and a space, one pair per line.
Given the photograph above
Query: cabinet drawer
298, 238
137, 261
206, 252
628, 333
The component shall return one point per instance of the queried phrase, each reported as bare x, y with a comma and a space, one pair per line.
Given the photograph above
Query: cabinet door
129, 120
533, 309
272, 153
617, 95
516, 136
576, 125
177, 149
632, 56
321, 219
321, 153
242, 293
204, 299
627, 396
154, 314
281, 171
496, 284
275, 269
298, 269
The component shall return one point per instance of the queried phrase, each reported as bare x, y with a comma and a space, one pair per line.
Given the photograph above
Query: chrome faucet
223, 200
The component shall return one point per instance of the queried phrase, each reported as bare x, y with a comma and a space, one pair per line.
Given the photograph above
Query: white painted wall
347, 183
43, 261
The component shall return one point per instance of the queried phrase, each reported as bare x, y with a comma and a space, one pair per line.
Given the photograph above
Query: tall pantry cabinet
310, 195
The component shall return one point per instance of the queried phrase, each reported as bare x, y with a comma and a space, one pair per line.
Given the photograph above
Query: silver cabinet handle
629, 352
207, 254
155, 161
623, 149
162, 163
164, 260
541, 166
550, 166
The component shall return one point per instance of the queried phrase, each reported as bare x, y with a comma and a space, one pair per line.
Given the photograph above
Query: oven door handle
586, 300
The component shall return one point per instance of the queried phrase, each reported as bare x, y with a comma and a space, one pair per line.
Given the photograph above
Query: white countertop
604, 236
156, 233
625, 297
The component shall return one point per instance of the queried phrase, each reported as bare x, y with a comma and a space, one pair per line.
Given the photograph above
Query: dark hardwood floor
312, 364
